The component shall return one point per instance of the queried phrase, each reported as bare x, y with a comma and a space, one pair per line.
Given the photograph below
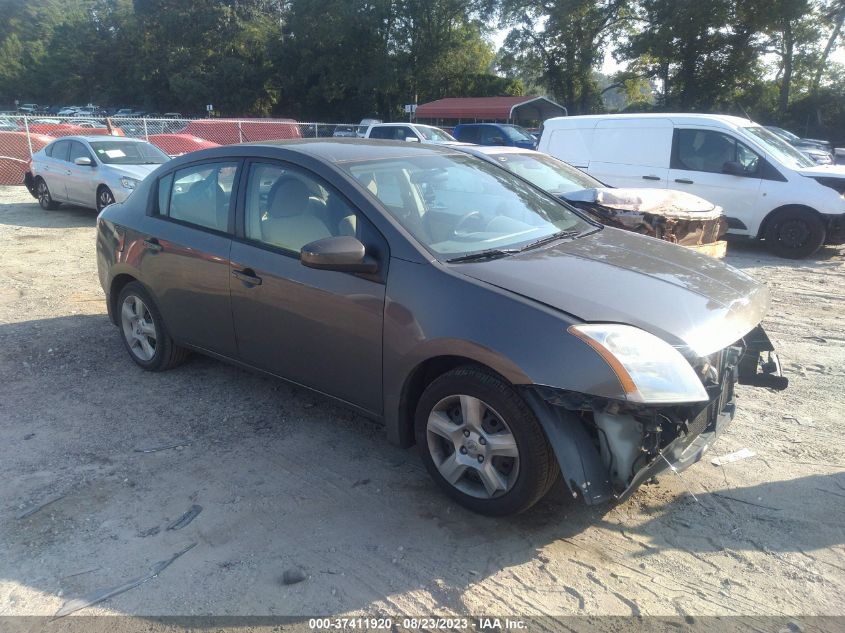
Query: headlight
648, 368
129, 183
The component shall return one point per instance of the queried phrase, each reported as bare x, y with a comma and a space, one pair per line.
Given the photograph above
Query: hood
823, 171
668, 202
685, 298
133, 171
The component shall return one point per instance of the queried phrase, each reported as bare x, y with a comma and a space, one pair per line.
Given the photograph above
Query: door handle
684, 181
247, 276
651, 177
153, 245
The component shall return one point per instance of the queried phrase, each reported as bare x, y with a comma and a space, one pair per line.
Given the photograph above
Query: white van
768, 189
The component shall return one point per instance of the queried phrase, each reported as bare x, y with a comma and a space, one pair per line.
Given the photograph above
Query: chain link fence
20, 136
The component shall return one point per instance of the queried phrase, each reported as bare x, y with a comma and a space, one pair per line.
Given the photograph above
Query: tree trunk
831, 42
786, 81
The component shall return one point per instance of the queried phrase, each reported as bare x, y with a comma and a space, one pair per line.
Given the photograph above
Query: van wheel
795, 233
482, 444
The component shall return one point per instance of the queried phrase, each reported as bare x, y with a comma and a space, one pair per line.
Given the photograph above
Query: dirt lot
287, 479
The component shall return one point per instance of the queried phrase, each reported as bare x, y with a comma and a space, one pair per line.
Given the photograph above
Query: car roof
721, 120
342, 150
491, 150
101, 137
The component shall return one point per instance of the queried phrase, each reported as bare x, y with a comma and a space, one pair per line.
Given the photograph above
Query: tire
795, 233
143, 331
42, 192
502, 465
104, 198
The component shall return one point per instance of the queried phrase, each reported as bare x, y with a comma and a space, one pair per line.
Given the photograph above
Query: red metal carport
499, 109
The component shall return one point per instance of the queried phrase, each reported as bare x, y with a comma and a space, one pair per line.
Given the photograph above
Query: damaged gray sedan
511, 337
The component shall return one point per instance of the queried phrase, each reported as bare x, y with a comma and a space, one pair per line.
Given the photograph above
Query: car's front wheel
42, 192
144, 333
795, 233
482, 444
104, 198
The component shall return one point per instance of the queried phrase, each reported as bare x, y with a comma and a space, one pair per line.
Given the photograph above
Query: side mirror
412, 139
343, 253
85, 161
733, 168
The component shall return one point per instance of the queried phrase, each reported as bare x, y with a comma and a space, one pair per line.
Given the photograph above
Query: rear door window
468, 134
61, 150
381, 132
200, 195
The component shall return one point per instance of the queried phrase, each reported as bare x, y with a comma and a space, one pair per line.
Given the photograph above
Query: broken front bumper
670, 437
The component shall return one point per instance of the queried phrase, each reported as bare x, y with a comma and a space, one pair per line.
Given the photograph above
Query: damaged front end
673, 216
607, 448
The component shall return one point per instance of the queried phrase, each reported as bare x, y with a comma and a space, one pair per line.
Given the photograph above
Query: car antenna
739, 105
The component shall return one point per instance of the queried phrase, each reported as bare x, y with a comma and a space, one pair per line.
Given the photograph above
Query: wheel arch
764, 225
118, 283
418, 379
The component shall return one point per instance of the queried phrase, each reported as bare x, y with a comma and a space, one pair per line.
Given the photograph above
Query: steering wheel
468, 217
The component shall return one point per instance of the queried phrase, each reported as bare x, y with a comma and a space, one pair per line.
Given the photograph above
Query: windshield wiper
491, 253
550, 238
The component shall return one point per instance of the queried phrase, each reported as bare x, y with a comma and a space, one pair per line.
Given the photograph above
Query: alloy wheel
104, 198
472, 447
43, 192
138, 328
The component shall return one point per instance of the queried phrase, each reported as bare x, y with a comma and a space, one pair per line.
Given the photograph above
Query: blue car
494, 134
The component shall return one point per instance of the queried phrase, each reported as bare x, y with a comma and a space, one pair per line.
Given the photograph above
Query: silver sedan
90, 171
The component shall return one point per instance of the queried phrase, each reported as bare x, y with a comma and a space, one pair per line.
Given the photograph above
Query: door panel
56, 171
187, 265
318, 328
81, 181
698, 160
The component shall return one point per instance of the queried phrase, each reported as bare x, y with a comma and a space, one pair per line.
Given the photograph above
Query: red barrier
229, 132
14, 155
178, 144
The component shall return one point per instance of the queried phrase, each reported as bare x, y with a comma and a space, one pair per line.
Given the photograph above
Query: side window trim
170, 176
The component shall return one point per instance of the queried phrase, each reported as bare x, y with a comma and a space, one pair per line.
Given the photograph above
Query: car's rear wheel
144, 333
795, 233
104, 198
42, 192
482, 444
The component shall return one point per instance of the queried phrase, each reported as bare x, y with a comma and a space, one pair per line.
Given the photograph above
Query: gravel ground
287, 480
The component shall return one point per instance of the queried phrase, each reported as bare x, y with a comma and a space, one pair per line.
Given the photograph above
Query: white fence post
240, 133
28, 137
146, 135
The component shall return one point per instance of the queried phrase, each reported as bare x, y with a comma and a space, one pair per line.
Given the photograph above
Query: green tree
559, 43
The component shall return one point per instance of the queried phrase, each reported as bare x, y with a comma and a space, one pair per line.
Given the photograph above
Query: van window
708, 150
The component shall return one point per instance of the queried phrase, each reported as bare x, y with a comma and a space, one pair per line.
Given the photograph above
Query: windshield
784, 134
434, 134
456, 205
128, 153
546, 172
516, 133
778, 148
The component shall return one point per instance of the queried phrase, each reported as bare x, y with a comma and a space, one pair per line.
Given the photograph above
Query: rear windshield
128, 153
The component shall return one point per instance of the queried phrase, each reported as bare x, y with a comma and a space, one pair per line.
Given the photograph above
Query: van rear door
632, 152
